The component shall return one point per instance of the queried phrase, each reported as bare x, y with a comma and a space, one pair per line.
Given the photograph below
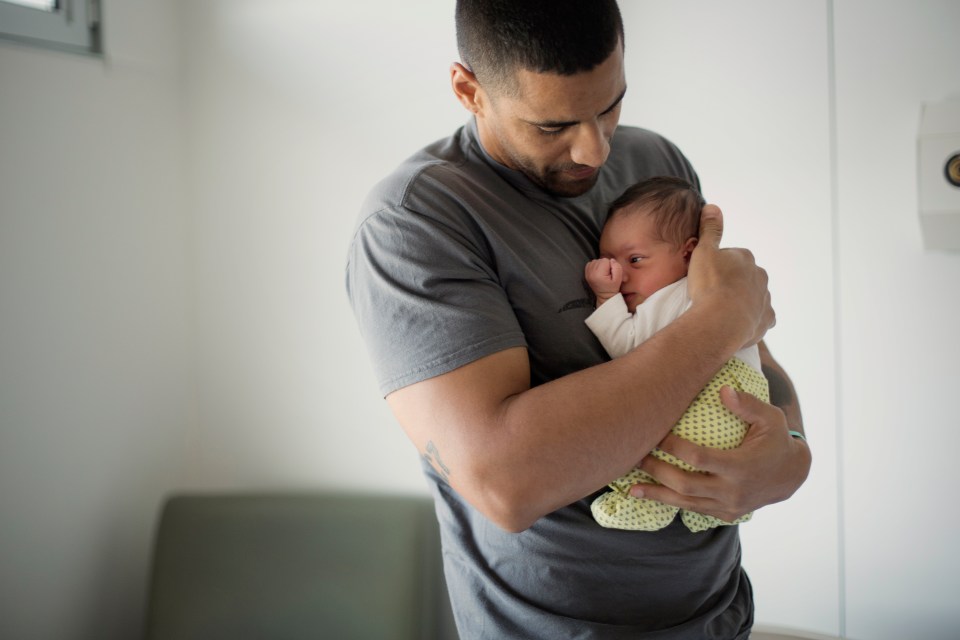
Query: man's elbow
507, 505
511, 520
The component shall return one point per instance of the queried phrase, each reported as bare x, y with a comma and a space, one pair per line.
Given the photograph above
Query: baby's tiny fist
616, 272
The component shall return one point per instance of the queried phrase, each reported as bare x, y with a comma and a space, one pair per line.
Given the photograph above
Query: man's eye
550, 130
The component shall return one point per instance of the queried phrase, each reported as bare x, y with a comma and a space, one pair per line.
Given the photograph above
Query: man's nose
590, 147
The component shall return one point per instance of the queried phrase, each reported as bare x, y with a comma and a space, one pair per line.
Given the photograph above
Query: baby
641, 286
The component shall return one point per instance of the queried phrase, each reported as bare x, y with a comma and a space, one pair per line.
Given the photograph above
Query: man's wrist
727, 322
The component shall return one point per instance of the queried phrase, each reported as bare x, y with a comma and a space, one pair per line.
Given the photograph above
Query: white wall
295, 109
233, 181
899, 344
94, 365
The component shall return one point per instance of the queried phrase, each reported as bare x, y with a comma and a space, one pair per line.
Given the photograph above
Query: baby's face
649, 264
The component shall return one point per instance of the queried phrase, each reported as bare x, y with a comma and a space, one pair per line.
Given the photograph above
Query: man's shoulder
439, 168
636, 132
638, 138
637, 153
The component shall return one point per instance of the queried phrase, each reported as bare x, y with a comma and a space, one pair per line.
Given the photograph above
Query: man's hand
731, 280
604, 275
768, 466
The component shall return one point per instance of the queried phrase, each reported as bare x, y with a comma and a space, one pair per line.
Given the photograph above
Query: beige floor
772, 633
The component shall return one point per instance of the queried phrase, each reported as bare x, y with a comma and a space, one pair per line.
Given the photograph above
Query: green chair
298, 566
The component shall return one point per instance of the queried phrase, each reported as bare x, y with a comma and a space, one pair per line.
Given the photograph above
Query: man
465, 275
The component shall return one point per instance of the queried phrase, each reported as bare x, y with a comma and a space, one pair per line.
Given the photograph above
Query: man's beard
555, 185
553, 181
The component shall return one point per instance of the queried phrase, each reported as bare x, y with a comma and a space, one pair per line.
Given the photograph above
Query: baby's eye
635, 259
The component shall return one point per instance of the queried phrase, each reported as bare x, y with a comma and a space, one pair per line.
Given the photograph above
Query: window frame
74, 25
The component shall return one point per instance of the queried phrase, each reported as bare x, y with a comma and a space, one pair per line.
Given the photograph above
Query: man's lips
581, 173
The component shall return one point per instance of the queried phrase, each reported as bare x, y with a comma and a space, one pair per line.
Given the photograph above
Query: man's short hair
674, 204
496, 38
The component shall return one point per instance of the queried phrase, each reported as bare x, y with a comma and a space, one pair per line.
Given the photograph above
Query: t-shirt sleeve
426, 296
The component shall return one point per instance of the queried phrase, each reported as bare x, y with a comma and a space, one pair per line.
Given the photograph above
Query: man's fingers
747, 407
711, 226
666, 495
687, 490
688, 486
702, 458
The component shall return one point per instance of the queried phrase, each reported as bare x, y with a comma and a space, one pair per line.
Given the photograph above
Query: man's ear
466, 87
689, 246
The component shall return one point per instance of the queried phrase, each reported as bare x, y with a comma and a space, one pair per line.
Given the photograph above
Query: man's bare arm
517, 453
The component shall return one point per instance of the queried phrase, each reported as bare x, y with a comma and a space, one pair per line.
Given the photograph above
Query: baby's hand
604, 276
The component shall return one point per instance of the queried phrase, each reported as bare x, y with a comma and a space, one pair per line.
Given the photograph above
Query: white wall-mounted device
938, 179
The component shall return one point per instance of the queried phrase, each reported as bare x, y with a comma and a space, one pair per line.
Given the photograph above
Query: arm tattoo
781, 393
432, 456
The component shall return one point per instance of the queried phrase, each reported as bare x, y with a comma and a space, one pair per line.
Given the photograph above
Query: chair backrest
289, 566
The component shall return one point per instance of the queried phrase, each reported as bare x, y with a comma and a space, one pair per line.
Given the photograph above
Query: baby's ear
689, 246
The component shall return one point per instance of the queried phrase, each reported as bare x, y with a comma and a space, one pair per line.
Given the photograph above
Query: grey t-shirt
456, 257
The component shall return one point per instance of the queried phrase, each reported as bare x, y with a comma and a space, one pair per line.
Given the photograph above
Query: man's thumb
742, 405
711, 226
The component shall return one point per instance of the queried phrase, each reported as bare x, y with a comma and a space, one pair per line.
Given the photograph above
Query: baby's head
651, 230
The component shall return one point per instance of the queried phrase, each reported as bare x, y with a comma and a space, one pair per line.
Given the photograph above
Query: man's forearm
518, 453
599, 423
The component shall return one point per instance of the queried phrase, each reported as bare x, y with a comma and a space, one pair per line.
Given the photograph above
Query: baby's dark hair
674, 203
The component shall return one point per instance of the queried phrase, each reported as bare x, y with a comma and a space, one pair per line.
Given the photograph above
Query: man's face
556, 129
